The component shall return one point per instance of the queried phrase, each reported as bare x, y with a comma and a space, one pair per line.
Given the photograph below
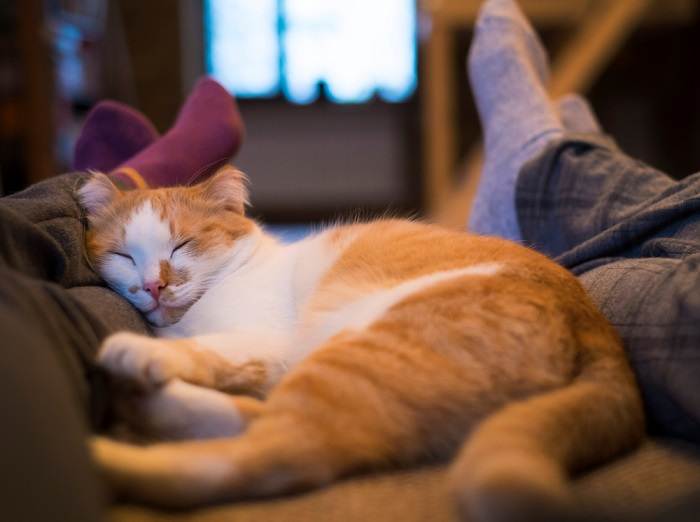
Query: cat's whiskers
186, 294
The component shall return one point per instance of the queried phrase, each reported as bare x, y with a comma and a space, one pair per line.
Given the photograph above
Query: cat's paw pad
143, 360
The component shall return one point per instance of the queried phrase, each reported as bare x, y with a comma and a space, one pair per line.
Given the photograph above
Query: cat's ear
97, 193
227, 187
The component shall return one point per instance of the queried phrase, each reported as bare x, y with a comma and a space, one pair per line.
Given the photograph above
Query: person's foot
504, 45
508, 71
112, 133
207, 133
577, 115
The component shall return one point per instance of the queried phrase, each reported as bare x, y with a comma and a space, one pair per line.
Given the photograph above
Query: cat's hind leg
279, 456
348, 407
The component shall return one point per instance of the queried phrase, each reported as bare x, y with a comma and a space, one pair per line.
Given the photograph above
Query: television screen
355, 49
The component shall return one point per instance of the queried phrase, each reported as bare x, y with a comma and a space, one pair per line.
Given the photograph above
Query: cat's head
162, 248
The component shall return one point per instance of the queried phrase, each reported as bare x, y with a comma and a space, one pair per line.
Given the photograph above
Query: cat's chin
157, 316
161, 316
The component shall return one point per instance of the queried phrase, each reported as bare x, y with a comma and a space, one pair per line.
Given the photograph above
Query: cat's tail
516, 464
278, 454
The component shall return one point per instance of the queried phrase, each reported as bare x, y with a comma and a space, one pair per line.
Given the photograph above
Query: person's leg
577, 115
631, 233
45, 274
508, 70
47, 474
583, 199
654, 304
46, 280
543, 182
51, 394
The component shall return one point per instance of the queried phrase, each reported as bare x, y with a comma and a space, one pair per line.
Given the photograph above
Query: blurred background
348, 104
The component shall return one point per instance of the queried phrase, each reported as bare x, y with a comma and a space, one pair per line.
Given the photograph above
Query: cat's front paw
142, 360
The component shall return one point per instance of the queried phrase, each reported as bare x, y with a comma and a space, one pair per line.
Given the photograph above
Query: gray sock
577, 115
508, 70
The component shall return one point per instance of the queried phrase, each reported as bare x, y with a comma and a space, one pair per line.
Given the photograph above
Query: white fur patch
185, 411
252, 289
363, 312
254, 304
147, 238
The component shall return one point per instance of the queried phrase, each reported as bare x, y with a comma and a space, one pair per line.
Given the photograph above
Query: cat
364, 346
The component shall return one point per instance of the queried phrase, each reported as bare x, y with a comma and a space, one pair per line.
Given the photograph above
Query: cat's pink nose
154, 288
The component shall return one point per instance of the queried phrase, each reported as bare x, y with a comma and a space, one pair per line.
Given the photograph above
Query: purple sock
112, 133
207, 133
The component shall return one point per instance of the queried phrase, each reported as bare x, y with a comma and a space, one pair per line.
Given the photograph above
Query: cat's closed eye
122, 254
179, 246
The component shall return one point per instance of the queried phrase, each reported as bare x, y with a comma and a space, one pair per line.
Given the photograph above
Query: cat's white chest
255, 297
265, 295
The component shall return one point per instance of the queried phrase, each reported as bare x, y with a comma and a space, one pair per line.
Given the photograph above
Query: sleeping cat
364, 346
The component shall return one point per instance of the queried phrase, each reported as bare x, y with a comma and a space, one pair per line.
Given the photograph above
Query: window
356, 49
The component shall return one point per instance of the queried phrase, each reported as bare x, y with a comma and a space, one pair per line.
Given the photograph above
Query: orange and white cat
361, 347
